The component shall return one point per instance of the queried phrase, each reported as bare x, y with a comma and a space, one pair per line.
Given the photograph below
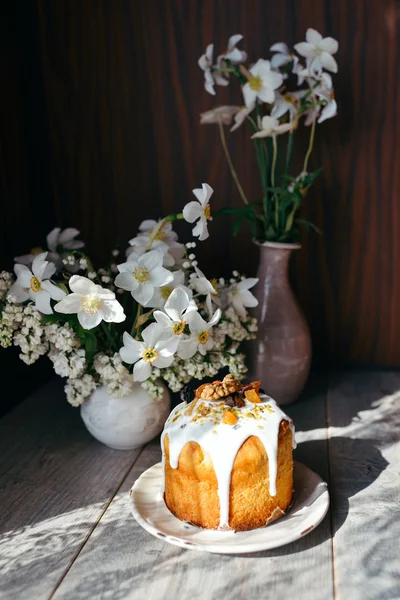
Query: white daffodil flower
241, 116
233, 54
261, 84
318, 51
330, 109
152, 352
288, 102
141, 275
282, 56
240, 297
200, 339
35, 284
162, 294
323, 91
91, 303
205, 63
165, 240
177, 309
204, 287
271, 127
200, 211
219, 114
57, 240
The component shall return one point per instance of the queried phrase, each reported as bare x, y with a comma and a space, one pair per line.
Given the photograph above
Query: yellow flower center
36, 250
141, 274
207, 212
214, 283
255, 83
203, 337
150, 355
166, 291
35, 284
179, 328
289, 98
91, 304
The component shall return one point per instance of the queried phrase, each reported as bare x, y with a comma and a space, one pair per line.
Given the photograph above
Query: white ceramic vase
125, 423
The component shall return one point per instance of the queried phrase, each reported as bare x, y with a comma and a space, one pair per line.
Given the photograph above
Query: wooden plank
121, 560
364, 448
55, 482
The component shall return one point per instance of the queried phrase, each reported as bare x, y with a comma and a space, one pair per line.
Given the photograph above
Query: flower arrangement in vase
279, 96
151, 321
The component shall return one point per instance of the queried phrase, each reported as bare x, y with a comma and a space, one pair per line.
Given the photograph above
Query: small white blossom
200, 339
219, 114
176, 311
262, 83
240, 296
270, 127
6, 281
205, 63
78, 390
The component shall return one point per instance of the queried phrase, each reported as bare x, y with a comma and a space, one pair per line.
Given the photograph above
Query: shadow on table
358, 464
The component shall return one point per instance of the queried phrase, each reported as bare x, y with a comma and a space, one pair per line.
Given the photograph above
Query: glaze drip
202, 423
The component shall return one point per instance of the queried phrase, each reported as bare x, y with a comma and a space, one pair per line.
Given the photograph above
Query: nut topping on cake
218, 389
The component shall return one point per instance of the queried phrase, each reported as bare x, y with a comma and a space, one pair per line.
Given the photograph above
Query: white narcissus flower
219, 114
282, 56
200, 211
177, 309
205, 63
261, 84
141, 275
271, 127
165, 240
204, 287
288, 102
200, 339
152, 352
233, 54
35, 284
240, 297
241, 116
91, 303
318, 51
162, 294
56, 240
330, 108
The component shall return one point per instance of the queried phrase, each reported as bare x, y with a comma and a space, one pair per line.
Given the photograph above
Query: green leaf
237, 225
309, 225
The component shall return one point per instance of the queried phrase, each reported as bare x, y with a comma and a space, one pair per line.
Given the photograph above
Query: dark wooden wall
100, 130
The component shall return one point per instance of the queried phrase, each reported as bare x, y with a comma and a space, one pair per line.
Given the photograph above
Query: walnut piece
218, 389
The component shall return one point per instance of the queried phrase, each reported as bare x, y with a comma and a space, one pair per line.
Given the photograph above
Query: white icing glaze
223, 441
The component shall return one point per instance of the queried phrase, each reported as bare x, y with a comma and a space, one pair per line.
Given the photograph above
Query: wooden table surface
66, 531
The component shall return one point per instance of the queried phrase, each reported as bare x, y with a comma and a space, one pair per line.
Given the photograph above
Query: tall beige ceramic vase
280, 356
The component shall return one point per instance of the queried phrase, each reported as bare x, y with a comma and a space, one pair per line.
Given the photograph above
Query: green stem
230, 163
262, 169
138, 313
274, 157
289, 150
310, 146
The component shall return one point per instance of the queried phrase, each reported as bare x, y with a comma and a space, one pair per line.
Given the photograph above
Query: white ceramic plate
310, 505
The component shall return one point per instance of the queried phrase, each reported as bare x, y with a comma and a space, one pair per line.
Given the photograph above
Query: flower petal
52, 239
162, 362
329, 44
143, 294
176, 304
192, 211
151, 260
70, 304
56, 293
89, 321
152, 334
162, 318
328, 62
42, 301
24, 275
200, 230
280, 47
112, 311
67, 235
141, 371
39, 265
272, 80
305, 49
249, 95
246, 284
125, 281
18, 292
313, 37
329, 111
214, 319
187, 348
248, 299
132, 351
196, 322
160, 276
203, 194
82, 285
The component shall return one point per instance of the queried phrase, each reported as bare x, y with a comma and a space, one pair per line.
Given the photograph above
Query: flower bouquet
153, 318
279, 94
